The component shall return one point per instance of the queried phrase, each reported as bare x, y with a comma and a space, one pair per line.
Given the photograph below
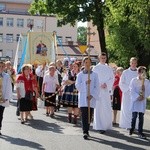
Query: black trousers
84, 118
1, 115
141, 121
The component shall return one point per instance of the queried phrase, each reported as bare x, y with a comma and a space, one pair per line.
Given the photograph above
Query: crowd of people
89, 92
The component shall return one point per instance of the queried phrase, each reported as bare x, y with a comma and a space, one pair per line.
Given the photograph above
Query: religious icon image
41, 49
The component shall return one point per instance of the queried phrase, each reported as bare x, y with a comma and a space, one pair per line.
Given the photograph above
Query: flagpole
89, 71
55, 45
16, 55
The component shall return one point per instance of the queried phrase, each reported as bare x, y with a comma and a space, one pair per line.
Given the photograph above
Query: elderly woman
50, 84
24, 88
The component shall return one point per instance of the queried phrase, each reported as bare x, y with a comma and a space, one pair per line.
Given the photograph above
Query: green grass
148, 103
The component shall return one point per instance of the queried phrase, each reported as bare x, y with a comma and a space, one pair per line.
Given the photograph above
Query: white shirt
39, 72
50, 83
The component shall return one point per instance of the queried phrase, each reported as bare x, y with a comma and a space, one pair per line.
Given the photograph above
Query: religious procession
92, 94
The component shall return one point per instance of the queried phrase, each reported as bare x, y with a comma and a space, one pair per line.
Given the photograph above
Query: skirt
69, 97
50, 101
116, 99
34, 104
25, 105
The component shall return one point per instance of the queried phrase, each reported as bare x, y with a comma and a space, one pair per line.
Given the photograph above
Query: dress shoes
130, 131
142, 136
102, 131
85, 136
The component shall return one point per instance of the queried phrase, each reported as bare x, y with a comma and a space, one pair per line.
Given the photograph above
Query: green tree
128, 26
71, 11
82, 35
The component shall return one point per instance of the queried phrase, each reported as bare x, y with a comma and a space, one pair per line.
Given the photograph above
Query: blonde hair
119, 70
8, 62
133, 59
24, 66
52, 64
30, 66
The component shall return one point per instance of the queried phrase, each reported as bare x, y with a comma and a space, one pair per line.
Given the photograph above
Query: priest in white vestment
103, 110
126, 77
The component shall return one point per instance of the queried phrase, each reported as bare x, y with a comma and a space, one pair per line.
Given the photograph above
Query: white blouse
50, 83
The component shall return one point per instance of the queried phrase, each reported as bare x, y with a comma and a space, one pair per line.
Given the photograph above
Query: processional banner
40, 48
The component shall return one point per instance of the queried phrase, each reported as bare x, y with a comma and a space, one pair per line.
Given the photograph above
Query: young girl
70, 94
117, 94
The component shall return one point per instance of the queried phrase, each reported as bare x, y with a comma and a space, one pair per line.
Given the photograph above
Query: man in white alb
126, 77
103, 110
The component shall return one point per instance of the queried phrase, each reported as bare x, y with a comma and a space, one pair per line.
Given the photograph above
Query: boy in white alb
82, 84
140, 90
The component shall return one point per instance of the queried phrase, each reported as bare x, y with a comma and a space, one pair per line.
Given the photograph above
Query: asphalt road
45, 133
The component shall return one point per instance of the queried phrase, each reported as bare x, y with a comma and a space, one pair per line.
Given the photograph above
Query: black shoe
52, 115
22, 121
69, 117
47, 114
142, 136
102, 131
130, 131
85, 136
88, 134
0, 133
75, 120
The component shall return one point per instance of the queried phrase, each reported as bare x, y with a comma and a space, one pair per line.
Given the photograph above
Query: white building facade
15, 20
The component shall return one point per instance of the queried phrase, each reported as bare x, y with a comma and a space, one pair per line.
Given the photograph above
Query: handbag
29, 95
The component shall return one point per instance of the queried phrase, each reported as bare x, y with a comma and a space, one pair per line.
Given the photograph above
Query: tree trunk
102, 39
100, 25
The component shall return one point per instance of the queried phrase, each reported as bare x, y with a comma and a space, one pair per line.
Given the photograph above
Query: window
17, 37
9, 38
1, 53
9, 53
2, 7
10, 22
20, 22
1, 21
68, 38
59, 39
1, 37
29, 22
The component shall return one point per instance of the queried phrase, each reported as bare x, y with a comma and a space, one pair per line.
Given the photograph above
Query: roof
73, 50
